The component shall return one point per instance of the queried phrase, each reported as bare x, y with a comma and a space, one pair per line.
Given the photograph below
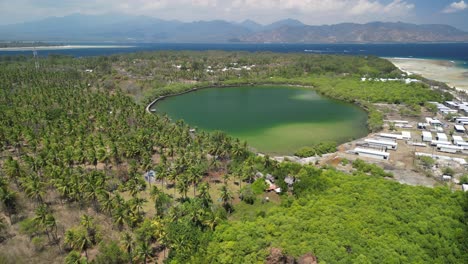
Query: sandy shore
439, 70
65, 47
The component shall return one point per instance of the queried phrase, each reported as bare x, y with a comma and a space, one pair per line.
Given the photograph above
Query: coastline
445, 71
65, 47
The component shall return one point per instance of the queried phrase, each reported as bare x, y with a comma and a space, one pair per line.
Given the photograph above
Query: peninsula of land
450, 72
62, 47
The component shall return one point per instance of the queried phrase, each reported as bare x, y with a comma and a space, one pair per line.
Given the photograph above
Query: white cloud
395, 8
264, 11
455, 7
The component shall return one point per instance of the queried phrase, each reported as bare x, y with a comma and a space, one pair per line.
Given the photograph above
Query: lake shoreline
162, 97
276, 128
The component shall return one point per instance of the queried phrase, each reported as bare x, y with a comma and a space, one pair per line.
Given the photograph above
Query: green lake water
272, 119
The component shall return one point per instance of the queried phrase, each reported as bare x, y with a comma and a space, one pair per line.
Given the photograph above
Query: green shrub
28, 227
464, 179
372, 169
319, 149
448, 171
247, 195
38, 243
259, 186
430, 107
111, 253
427, 161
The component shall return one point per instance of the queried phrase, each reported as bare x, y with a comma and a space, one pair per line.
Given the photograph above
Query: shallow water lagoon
272, 119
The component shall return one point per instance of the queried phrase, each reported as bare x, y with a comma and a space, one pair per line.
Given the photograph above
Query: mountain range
124, 28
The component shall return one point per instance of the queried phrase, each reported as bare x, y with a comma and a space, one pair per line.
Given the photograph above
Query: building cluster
378, 146
451, 107
443, 138
405, 80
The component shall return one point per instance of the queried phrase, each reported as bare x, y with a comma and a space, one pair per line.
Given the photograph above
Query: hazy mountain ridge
361, 33
147, 29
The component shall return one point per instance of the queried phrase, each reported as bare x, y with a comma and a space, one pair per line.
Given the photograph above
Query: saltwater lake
272, 119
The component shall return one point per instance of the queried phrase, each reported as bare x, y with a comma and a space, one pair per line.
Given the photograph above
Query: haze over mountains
122, 28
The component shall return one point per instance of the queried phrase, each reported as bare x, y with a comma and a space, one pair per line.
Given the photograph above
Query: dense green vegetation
351, 220
74, 148
319, 149
371, 169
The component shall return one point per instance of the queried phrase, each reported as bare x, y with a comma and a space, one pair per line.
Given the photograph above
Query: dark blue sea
447, 51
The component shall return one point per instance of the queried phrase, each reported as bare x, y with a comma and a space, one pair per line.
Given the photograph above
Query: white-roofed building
441, 137
459, 128
372, 153
449, 148
465, 187
426, 136
382, 143
456, 139
406, 134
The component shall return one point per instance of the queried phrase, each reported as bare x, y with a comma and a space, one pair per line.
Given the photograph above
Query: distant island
125, 28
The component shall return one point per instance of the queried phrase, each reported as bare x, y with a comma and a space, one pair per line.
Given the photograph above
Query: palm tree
114, 154
102, 156
226, 177
144, 251
248, 171
160, 234
68, 156
204, 194
135, 184
93, 185
91, 157
9, 201
183, 185
119, 215
44, 219
78, 240
70, 238
216, 164
106, 202
161, 173
87, 222
226, 197
172, 176
137, 204
128, 244
212, 220
237, 150
161, 200
74, 257
12, 170
51, 224
195, 174
34, 188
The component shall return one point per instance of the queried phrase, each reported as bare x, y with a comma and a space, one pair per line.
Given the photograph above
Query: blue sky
313, 12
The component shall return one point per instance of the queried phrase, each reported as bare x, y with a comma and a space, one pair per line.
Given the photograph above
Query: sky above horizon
312, 12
